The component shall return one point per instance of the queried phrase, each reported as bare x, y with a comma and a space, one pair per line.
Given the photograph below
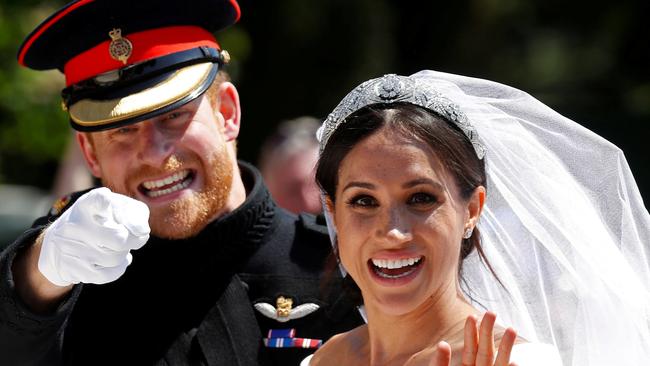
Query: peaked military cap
129, 60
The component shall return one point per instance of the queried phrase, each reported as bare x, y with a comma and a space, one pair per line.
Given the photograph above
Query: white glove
91, 241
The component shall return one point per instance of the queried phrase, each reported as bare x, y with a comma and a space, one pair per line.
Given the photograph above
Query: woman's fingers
478, 347
470, 347
485, 353
436, 355
505, 348
442, 355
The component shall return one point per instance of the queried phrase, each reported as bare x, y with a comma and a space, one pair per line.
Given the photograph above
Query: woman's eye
363, 201
421, 199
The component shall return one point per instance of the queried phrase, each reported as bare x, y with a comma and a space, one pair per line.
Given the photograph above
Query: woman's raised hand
478, 347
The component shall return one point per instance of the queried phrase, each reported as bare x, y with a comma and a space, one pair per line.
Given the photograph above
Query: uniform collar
251, 221
226, 243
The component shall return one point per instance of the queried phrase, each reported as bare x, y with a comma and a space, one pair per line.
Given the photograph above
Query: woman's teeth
172, 183
395, 268
395, 263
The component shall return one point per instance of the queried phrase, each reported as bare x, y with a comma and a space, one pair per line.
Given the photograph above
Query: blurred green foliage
587, 60
33, 128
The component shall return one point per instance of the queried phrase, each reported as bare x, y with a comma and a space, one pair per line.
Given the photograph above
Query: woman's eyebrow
358, 184
428, 181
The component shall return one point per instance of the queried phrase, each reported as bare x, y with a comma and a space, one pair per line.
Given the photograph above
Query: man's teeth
177, 181
153, 184
395, 263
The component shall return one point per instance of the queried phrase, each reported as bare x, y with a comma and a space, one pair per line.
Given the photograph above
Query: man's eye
173, 116
363, 201
125, 130
421, 199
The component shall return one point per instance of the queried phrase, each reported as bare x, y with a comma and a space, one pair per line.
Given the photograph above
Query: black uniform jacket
192, 301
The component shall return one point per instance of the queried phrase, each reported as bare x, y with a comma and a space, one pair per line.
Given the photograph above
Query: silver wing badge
284, 311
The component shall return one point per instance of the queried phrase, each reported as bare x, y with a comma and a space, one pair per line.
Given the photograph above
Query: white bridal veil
564, 228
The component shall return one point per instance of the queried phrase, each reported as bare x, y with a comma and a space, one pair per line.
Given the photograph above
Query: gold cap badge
120, 48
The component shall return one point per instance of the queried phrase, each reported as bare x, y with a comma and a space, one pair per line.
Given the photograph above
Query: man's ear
88, 150
230, 109
475, 205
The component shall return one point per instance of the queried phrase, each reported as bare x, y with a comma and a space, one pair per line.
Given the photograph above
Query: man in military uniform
182, 257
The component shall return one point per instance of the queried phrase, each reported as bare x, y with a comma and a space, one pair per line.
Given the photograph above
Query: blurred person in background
22, 204
287, 161
72, 174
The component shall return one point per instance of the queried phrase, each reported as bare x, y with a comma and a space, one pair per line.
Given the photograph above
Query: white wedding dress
524, 354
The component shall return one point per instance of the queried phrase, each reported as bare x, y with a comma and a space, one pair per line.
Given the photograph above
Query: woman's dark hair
445, 139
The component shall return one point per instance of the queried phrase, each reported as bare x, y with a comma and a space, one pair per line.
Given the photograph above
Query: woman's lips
395, 272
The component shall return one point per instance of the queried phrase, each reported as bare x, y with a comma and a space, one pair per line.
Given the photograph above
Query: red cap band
146, 45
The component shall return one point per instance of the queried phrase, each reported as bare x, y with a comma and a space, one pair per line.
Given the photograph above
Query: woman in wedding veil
448, 195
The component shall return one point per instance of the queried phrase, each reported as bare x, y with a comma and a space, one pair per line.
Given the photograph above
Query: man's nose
156, 146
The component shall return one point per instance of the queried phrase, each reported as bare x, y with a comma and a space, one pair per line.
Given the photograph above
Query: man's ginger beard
187, 216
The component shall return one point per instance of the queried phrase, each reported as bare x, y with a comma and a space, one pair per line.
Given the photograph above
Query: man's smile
167, 185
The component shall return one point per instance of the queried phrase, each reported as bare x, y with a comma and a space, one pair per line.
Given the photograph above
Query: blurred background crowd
291, 58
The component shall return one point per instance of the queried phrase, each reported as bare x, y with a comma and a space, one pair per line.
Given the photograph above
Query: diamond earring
468, 233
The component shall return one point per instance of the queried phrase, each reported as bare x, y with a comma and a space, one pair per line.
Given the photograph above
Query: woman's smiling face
400, 220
